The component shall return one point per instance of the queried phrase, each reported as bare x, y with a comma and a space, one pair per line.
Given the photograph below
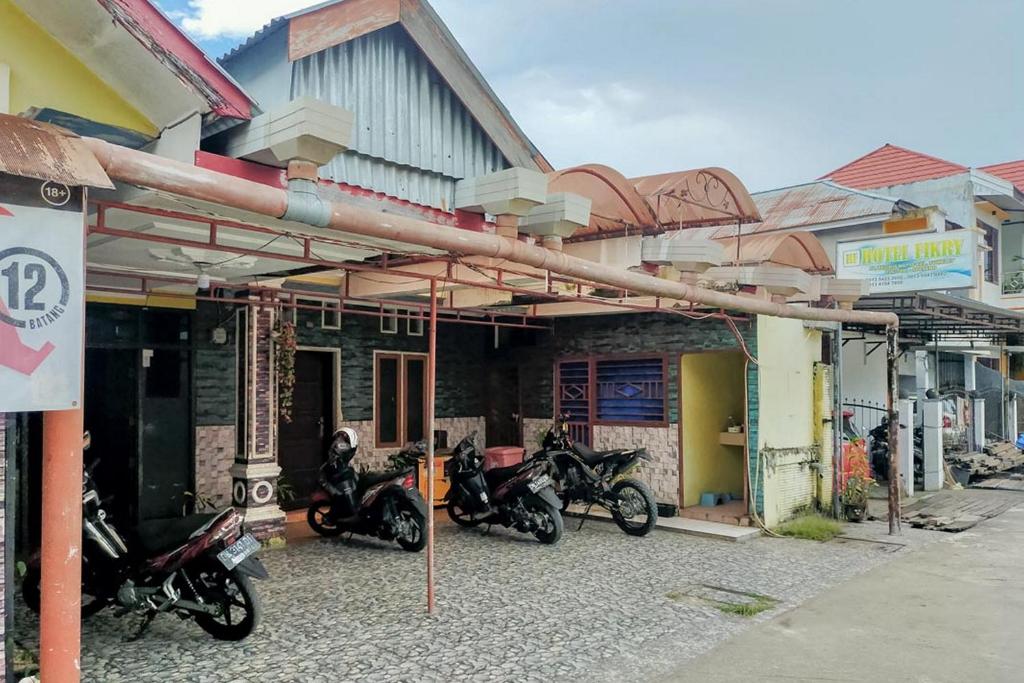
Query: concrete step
694, 527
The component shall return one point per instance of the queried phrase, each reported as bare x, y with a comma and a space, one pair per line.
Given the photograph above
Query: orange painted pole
431, 382
60, 609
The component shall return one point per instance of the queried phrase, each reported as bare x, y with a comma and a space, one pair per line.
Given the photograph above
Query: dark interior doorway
302, 442
504, 412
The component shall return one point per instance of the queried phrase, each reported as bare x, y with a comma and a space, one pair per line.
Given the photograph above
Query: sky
777, 91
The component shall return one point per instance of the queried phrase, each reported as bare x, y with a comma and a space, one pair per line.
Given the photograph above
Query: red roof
1010, 170
892, 165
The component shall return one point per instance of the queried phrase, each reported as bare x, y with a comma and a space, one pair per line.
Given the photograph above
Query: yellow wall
44, 74
711, 390
786, 354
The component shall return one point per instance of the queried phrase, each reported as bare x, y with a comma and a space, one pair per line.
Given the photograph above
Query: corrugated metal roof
1010, 170
817, 203
413, 137
892, 165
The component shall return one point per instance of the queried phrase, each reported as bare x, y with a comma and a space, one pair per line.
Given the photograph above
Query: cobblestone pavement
600, 606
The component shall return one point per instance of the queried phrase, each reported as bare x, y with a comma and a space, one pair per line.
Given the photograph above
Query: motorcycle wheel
552, 530
317, 516
640, 498
31, 594
457, 515
235, 594
417, 525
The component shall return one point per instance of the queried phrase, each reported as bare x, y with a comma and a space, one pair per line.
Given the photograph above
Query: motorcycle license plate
539, 483
235, 554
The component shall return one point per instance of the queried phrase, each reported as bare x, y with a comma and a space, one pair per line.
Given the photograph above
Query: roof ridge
904, 150
831, 183
1001, 163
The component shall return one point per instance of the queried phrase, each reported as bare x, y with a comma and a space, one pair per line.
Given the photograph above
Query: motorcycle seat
157, 536
592, 457
368, 479
496, 475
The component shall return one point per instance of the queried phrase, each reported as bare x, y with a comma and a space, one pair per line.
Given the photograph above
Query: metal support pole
892, 405
431, 387
61, 584
837, 420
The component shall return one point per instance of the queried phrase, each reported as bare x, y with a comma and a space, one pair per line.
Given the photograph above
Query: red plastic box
503, 456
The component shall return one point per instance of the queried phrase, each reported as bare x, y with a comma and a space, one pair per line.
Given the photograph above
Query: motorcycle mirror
86, 440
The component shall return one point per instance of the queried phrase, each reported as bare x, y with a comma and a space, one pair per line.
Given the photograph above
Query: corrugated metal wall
413, 138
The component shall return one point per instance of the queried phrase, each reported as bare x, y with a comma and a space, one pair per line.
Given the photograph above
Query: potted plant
858, 482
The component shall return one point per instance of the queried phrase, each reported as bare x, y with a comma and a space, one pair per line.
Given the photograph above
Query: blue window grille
630, 390
611, 391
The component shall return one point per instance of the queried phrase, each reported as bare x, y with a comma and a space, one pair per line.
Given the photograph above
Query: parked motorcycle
879, 449
599, 477
386, 505
519, 497
197, 567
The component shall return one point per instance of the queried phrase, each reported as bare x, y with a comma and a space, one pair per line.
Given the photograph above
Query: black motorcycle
520, 497
584, 475
196, 567
386, 505
878, 449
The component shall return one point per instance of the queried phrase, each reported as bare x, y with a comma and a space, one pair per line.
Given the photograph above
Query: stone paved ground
596, 607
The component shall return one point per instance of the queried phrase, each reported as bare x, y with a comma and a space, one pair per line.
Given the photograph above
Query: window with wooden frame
990, 247
414, 325
612, 390
400, 398
330, 316
389, 320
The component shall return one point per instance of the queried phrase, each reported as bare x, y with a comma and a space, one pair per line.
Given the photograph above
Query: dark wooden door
302, 443
503, 406
165, 471
111, 416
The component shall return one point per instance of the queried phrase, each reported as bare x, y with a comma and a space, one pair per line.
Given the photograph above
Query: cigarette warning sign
41, 295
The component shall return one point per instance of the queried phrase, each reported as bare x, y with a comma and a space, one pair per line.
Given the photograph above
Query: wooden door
302, 443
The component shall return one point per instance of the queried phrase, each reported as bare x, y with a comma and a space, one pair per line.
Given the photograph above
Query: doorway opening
302, 442
712, 439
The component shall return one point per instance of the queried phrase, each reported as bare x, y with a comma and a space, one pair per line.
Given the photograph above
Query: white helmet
348, 434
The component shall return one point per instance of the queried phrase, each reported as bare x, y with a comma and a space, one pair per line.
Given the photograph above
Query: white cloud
232, 19
641, 129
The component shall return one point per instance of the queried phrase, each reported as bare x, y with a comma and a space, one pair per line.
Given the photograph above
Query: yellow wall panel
44, 74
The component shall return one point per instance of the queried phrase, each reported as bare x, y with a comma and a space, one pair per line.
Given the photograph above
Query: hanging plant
284, 339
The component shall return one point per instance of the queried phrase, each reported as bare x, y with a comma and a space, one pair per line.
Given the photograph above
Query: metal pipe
60, 625
168, 175
431, 393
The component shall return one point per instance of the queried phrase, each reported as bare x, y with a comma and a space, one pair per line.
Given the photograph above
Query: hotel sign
911, 263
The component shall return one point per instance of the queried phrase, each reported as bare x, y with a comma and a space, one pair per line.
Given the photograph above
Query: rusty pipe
159, 173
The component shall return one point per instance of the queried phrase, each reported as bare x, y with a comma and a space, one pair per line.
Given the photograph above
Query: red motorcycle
197, 567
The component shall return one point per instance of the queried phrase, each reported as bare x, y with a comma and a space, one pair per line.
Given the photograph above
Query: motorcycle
879, 449
599, 477
519, 497
197, 567
386, 505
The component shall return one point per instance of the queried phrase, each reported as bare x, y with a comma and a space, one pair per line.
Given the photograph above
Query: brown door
302, 443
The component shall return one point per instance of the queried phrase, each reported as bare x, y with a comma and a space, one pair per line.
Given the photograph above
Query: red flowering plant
858, 482
284, 357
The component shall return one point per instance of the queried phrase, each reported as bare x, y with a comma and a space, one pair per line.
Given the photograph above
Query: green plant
811, 526
284, 357
199, 502
285, 490
748, 609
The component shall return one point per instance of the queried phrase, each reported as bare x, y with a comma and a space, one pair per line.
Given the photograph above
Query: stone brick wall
215, 453
662, 443
461, 354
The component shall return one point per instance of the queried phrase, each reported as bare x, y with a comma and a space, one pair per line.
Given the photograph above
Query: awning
942, 317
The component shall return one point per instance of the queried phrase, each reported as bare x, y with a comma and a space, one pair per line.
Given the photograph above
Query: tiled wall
662, 443
215, 453
377, 458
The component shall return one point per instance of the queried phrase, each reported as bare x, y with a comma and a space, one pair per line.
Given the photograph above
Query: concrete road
951, 611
